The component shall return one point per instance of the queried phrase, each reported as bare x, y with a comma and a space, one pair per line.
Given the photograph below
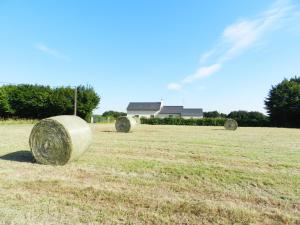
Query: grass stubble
157, 175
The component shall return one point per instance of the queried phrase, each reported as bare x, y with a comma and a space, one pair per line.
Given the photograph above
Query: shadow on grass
19, 156
108, 131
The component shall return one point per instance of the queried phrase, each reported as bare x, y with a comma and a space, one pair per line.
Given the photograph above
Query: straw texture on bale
231, 124
60, 139
125, 124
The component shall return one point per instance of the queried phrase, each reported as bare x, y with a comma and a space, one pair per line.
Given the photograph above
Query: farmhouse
192, 113
157, 109
144, 109
170, 111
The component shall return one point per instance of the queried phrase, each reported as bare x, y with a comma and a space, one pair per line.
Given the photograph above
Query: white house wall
146, 114
192, 117
167, 115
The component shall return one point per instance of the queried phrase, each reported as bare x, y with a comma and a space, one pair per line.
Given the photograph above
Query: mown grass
157, 175
17, 121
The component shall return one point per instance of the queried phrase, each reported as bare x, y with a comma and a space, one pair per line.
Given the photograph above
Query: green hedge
250, 119
28, 101
242, 122
181, 121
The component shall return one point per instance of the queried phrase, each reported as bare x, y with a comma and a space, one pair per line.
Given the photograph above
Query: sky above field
214, 54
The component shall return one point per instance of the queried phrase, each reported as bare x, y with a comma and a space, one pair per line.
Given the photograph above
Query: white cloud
43, 48
241, 36
206, 55
202, 72
174, 86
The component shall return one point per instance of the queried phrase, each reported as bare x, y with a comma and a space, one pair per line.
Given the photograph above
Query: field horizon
156, 175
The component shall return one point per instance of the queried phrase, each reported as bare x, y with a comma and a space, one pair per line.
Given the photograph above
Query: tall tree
5, 109
88, 100
283, 103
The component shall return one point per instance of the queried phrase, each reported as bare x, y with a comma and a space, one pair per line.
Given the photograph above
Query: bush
249, 119
113, 114
181, 121
214, 114
38, 102
28, 101
87, 101
244, 119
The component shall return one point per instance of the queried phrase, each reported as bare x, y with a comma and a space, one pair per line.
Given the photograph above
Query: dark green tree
214, 114
251, 119
283, 103
238, 115
87, 101
5, 110
28, 101
37, 101
62, 101
113, 114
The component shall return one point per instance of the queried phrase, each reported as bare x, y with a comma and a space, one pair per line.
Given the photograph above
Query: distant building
192, 113
156, 109
144, 109
170, 111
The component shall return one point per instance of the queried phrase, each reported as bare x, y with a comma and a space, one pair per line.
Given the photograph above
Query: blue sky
215, 54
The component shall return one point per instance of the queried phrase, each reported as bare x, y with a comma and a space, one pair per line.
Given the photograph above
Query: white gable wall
146, 114
192, 117
168, 115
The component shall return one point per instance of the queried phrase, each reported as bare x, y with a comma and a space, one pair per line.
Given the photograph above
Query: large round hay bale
231, 124
60, 139
125, 124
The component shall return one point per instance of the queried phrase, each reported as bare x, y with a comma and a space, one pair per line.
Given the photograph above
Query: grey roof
144, 106
171, 110
192, 112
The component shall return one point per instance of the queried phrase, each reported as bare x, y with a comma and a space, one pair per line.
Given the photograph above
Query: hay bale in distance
60, 139
231, 124
125, 124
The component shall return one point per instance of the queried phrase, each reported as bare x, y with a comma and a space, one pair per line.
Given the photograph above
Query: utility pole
75, 101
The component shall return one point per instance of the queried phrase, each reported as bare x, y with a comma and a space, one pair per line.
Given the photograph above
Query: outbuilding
156, 109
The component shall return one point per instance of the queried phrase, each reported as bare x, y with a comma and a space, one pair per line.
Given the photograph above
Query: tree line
244, 119
39, 101
182, 121
282, 105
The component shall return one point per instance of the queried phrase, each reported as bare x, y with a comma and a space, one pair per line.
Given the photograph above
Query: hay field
156, 175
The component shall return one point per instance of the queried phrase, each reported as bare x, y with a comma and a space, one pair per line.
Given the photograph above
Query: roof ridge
144, 106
